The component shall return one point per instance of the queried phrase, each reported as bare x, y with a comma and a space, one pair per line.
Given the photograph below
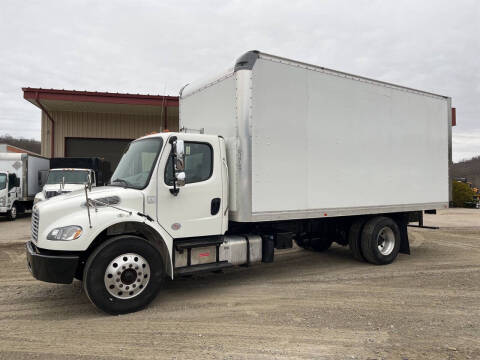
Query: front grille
35, 222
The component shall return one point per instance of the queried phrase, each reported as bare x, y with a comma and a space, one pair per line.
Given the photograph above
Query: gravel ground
304, 305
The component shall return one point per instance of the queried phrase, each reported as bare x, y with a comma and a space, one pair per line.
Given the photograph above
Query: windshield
137, 163
70, 176
3, 181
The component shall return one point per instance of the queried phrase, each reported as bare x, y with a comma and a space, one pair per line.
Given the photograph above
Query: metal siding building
86, 124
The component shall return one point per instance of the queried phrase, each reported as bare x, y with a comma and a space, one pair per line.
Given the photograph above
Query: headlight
66, 233
36, 200
2, 201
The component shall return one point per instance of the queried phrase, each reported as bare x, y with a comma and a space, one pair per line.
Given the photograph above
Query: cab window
12, 181
198, 163
3, 181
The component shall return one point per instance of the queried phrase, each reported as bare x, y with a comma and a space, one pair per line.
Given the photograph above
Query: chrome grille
35, 222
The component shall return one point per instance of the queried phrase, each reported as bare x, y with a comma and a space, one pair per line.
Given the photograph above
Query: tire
12, 214
380, 240
354, 238
128, 255
320, 244
300, 242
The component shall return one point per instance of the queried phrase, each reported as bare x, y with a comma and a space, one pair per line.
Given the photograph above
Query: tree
461, 193
27, 144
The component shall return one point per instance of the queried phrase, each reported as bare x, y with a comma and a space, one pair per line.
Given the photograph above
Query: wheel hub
386, 241
127, 276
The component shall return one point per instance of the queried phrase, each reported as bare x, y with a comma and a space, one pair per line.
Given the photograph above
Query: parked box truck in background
271, 151
19, 181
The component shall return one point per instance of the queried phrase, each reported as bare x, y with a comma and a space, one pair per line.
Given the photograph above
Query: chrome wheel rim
127, 276
385, 241
13, 212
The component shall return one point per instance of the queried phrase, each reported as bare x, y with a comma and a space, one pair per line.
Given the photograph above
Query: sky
156, 47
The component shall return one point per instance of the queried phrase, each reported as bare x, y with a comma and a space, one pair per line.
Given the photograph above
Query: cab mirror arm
178, 164
175, 190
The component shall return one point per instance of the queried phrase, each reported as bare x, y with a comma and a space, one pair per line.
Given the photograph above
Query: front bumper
51, 268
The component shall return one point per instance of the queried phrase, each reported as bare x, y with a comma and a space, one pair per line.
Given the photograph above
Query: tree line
27, 144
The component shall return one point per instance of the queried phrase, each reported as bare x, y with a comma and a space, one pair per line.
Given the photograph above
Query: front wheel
12, 214
123, 274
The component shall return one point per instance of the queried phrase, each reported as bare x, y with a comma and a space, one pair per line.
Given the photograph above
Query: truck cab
65, 180
9, 193
167, 187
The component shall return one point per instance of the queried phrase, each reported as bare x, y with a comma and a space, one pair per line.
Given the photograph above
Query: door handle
215, 206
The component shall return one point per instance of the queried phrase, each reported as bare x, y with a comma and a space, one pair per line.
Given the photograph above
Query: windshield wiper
122, 181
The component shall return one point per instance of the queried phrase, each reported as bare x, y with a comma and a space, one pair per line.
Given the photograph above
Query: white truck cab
9, 193
65, 180
265, 157
142, 200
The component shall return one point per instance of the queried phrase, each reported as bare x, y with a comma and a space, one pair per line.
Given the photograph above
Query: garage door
109, 149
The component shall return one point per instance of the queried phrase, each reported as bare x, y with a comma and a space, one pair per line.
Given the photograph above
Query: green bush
461, 194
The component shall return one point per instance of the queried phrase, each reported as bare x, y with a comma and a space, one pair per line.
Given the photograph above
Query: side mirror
180, 178
179, 155
42, 177
178, 164
89, 182
17, 182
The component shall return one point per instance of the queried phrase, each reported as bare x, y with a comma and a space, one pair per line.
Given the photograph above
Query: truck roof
166, 135
70, 169
248, 60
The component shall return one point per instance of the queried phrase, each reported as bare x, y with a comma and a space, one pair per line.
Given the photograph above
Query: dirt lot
304, 305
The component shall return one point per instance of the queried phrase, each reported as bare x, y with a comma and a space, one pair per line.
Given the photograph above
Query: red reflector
204, 254
454, 117
325, 214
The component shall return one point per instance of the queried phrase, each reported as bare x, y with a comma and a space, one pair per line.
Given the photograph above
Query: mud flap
404, 243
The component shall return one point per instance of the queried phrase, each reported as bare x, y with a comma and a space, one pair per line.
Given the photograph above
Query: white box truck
271, 151
19, 182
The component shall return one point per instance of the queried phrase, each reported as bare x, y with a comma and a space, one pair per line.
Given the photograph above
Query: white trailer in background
271, 151
19, 181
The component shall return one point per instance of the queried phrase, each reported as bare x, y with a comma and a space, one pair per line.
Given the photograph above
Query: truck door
196, 210
13, 190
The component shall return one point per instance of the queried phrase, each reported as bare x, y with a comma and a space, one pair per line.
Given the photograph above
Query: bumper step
187, 270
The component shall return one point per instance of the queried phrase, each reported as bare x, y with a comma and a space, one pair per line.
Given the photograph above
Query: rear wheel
12, 214
123, 274
355, 238
380, 240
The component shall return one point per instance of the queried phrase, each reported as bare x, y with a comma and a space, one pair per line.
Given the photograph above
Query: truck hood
66, 188
70, 209
126, 198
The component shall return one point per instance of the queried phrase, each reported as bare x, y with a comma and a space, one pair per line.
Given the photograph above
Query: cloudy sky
157, 46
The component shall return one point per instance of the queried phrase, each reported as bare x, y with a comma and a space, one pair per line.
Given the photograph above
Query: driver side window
198, 163
12, 181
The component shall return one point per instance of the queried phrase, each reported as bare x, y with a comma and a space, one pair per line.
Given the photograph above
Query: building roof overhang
103, 102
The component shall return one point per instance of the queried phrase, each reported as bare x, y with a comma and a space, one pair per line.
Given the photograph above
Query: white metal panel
322, 141
212, 107
279, 145
35, 164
